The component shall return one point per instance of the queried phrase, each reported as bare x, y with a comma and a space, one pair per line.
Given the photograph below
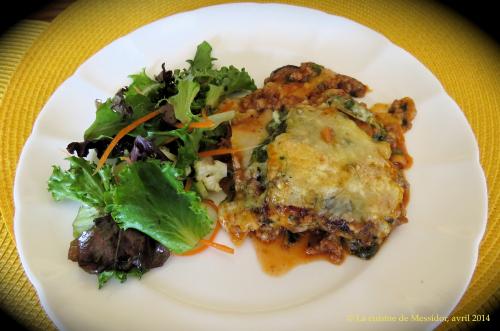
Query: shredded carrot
194, 251
223, 151
220, 247
189, 182
327, 134
218, 151
203, 246
207, 123
123, 132
211, 204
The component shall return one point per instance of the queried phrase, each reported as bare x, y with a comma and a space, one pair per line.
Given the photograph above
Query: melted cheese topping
348, 178
325, 171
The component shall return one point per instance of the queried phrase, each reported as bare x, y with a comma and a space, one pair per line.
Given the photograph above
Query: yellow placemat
464, 60
13, 46
17, 296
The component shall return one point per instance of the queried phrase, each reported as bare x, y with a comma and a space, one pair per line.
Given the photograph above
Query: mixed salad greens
149, 182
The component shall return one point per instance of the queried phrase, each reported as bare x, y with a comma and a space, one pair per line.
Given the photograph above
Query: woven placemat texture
17, 296
13, 46
465, 61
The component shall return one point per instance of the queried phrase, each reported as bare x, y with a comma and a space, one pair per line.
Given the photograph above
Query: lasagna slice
312, 161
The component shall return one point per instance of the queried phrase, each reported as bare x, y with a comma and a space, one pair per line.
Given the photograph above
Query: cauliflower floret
210, 172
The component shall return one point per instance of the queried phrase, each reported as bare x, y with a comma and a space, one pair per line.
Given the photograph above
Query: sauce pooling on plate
277, 259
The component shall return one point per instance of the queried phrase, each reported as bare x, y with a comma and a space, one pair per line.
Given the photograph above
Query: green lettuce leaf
214, 83
189, 145
187, 153
78, 183
121, 276
141, 106
221, 83
182, 101
235, 80
108, 122
203, 57
142, 84
150, 199
217, 83
214, 94
84, 220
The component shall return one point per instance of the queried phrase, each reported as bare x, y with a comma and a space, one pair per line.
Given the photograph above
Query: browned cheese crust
309, 167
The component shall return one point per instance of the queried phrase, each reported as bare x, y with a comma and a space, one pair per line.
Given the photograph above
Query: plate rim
40, 288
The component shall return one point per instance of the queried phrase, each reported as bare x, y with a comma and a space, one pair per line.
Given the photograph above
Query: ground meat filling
312, 84
350, 85
280, 88
404, 110
326, 243
397, 119
294, 74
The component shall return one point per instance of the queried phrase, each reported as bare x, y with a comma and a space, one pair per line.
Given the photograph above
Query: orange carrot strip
202, 125
202, 247
223, 151
194, 251
207, 123
219, 151
220, 247
327, 135
216, 231
211, 204
122, 133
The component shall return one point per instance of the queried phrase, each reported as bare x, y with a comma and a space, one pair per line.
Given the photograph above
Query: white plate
423, 268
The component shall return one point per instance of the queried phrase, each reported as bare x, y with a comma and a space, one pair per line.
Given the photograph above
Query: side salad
162, 148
